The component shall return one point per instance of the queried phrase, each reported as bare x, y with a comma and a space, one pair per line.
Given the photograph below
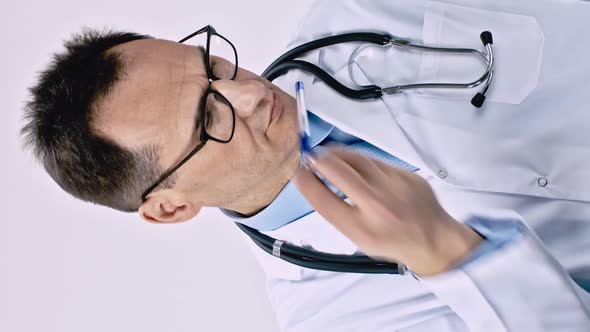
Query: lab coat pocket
518, 48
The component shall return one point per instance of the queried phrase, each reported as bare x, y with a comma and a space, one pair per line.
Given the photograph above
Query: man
115, 112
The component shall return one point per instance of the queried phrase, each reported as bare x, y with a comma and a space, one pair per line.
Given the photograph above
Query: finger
398, 174
333, 208
343, 176
365, 165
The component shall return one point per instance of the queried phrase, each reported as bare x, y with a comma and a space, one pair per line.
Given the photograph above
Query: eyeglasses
216, 119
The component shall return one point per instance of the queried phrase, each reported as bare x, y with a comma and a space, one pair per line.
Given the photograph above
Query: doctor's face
156, 101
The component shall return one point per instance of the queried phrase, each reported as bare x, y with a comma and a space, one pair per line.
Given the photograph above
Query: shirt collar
289, 205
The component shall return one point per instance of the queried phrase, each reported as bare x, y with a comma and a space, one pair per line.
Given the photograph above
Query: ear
160, 208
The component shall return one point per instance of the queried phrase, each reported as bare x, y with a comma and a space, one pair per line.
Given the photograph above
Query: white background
68, 266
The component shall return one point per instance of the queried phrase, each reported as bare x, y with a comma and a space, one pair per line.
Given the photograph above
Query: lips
275, 110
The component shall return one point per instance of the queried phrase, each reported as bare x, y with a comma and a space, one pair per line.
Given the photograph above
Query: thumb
322, 199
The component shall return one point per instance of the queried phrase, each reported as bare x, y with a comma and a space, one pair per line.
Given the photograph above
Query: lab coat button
542, 182
442, 173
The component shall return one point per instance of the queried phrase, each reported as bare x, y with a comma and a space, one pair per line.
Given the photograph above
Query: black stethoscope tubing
287, 61
326, 261
291, 253
319, 260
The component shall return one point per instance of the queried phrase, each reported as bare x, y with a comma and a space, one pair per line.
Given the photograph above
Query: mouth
276, 109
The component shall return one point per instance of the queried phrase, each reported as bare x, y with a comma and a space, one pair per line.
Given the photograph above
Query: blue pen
304, 133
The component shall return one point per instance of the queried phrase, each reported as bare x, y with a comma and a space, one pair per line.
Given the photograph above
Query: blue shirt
290, 205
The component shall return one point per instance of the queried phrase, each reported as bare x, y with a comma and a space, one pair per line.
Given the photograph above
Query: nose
244, 95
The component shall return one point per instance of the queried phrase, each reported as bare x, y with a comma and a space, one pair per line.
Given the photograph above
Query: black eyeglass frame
204, 136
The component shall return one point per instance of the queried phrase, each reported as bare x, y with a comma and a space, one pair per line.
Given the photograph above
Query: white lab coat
535, 124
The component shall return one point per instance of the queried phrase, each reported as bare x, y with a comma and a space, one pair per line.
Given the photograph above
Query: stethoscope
359, 263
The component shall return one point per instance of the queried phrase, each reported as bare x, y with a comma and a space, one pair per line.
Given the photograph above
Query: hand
393, 214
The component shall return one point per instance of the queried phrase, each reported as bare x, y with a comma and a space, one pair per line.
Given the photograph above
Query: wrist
454, 243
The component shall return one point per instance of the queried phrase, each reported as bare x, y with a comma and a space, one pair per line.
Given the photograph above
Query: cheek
237, 158
244, 161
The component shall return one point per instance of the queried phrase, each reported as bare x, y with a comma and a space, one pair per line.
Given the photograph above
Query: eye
220, 69
209, 116
218, 98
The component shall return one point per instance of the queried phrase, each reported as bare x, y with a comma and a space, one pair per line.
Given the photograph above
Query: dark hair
59, 114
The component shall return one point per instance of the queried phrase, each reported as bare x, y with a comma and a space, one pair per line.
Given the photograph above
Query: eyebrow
199, 98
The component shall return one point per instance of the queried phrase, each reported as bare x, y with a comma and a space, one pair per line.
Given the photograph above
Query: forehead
155, 56
158, 84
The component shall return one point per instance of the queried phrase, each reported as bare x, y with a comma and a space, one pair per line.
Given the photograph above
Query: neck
267, 192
